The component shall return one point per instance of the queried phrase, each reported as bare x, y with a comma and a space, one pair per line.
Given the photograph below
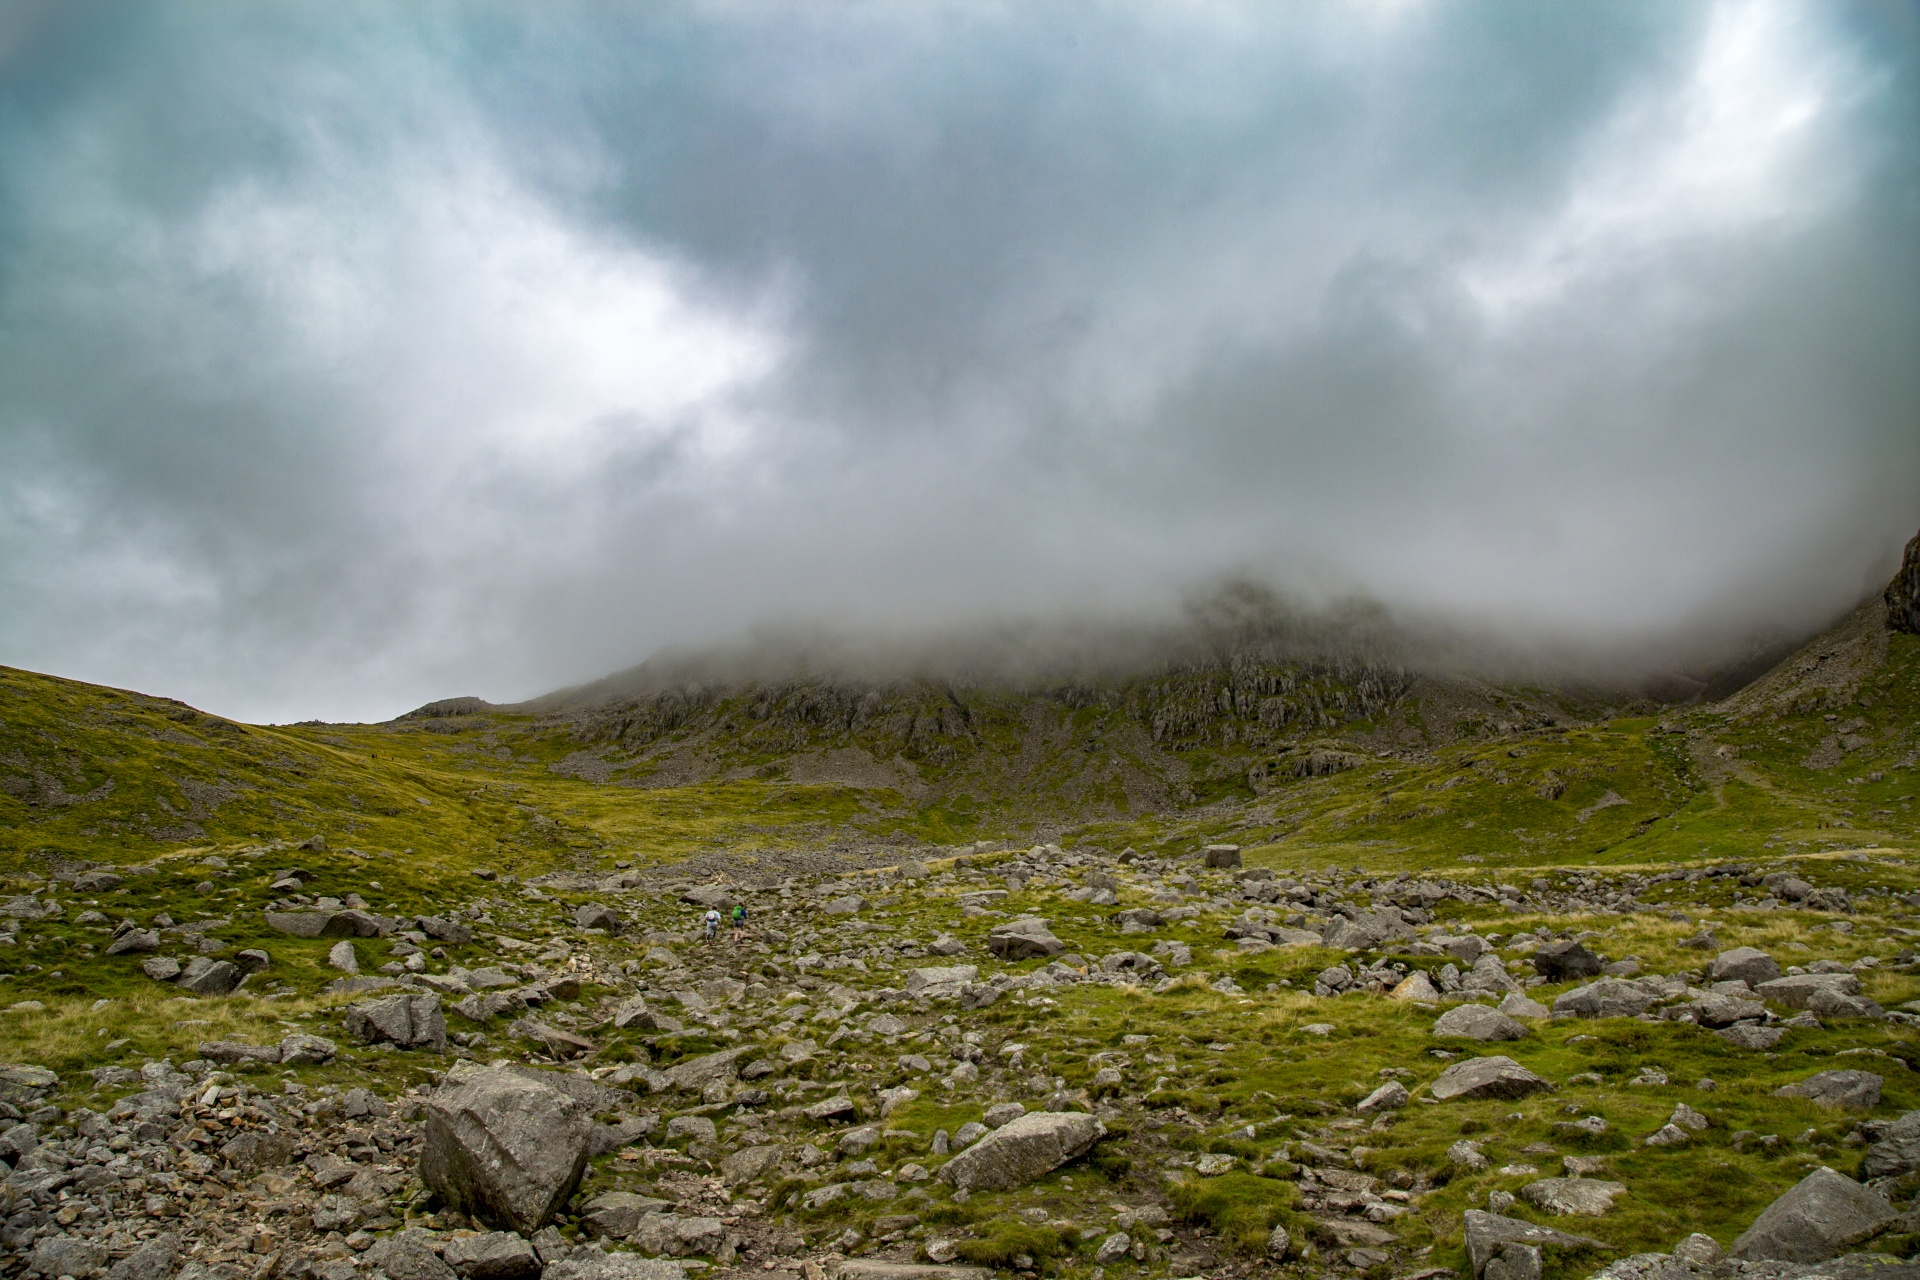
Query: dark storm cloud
353, 355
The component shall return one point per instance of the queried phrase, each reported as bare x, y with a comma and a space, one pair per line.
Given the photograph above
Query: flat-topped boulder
1023, 1149
1496, 1076
1478, 1022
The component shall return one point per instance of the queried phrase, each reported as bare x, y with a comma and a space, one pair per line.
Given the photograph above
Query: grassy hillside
1540, 813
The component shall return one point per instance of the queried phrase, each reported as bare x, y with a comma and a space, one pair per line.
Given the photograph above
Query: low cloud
353, 356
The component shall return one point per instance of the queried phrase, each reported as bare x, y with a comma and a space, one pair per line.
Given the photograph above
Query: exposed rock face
1022, 1150
410, 1021
1855, 1090
1477, 1022
1898, 1150
1489, 1235
1497, 1076
504, 1148
1822, 1216
1903, 593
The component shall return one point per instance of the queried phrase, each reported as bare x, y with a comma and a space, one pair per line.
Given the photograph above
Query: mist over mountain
352, 355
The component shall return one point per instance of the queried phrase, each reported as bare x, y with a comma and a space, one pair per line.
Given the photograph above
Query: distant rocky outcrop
1903, 593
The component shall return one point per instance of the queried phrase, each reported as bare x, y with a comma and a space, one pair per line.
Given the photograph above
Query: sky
354, 355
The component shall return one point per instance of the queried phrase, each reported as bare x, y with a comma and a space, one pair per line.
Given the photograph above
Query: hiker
712, 920
739, 922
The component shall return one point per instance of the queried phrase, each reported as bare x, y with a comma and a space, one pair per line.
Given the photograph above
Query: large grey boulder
1024, 939
1898, 1150
1855, 1090
1744, 964
1496, 1076
504, 1148
1566, 961
1795, 990
595, 915
1022, 1150
407, 1255
1607, 998
1490, 1234
1820, 1217
410, 1021
329, 924
493, 1255
1478, 1022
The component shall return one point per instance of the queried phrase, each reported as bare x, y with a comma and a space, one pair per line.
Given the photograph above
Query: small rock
1467, 1154
1515, 1005
1387, 1097
1578, 1196
342, 957
160, 968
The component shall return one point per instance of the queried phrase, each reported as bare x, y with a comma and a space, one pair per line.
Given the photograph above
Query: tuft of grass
1242, 1208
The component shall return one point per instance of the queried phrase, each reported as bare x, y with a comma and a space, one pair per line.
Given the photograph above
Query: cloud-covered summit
355, 355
